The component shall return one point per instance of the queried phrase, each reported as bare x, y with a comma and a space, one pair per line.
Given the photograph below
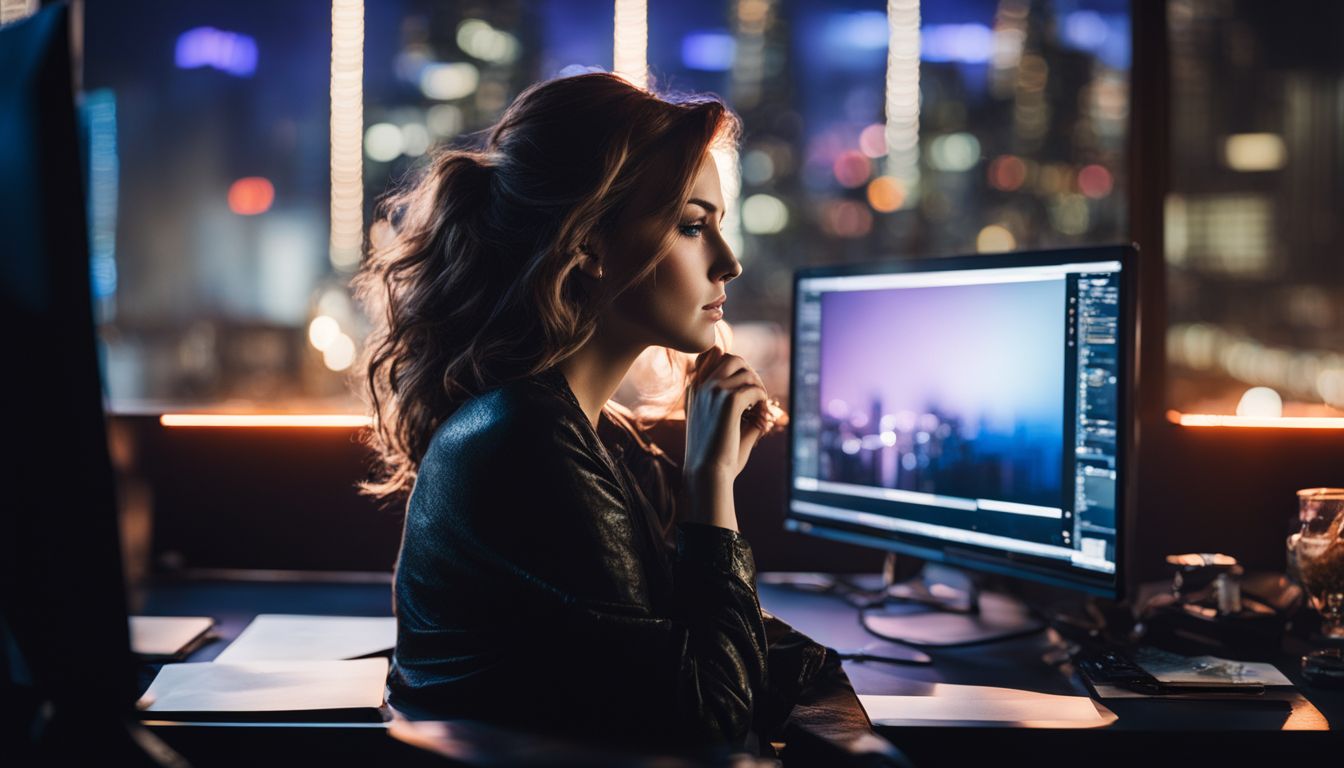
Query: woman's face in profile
667, 308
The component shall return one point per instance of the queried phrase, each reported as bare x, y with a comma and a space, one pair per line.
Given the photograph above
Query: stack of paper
276, 637
283, 667
286, 690
981, 705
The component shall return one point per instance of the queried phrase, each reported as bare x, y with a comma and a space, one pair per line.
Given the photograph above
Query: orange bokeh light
251, 195
885, 194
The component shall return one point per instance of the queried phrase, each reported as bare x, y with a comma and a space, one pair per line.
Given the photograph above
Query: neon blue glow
708, 51
863, 30
965, 43
229, 52
1085, 29
99, 111
1104, 35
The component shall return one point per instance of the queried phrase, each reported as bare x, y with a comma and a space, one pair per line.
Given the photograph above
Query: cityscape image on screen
968, 406
930, 389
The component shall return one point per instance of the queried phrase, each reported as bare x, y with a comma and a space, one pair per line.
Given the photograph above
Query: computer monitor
67, 674
972, 411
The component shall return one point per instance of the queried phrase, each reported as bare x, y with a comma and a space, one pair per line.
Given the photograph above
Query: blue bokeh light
229, 52
708, 51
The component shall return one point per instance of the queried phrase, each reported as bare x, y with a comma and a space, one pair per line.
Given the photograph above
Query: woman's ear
590, 262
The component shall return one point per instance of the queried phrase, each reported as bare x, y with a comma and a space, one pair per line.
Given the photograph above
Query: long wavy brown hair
475, 285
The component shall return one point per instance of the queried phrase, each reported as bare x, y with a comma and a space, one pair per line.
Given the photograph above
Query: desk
1147, 731
233, 605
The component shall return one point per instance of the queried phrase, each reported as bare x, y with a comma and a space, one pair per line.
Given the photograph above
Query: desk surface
1021, 663
830, 621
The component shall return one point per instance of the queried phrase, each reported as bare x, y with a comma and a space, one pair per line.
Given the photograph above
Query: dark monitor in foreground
970, 411
67, 676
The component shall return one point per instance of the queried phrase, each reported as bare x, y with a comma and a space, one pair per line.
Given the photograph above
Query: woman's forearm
708, 500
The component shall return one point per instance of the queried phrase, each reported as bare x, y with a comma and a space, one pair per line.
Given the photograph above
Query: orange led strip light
1282, 422
264, 420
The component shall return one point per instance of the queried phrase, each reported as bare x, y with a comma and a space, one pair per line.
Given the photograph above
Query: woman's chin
708, 339
694, 344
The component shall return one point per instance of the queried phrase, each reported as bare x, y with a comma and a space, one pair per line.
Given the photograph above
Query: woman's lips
715, 308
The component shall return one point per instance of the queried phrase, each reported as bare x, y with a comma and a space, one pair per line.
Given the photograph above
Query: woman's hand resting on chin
728, 410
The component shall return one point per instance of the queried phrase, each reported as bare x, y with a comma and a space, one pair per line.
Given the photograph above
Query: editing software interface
972, 411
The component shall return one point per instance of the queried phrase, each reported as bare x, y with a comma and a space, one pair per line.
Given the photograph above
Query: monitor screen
967, 410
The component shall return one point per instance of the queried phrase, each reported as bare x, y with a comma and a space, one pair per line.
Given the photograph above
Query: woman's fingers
752, 428
744, 376
730, 372
745, 397
734, 410
721, 366
731, 376
705, 365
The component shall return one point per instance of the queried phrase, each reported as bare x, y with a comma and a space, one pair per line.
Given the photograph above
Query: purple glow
957, 390
229, 52
985, 352
965, 43
708, 51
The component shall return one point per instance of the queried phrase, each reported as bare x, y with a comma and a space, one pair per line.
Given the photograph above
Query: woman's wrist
708, 498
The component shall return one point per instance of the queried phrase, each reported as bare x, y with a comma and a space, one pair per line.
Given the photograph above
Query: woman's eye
692, 230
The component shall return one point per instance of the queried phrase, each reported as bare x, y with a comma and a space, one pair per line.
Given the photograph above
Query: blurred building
1256, 295
211, 164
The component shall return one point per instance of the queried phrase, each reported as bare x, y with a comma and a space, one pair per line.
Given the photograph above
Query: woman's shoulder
496, 438
521, 412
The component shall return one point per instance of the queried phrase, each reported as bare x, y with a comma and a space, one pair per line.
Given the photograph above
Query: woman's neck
595, 372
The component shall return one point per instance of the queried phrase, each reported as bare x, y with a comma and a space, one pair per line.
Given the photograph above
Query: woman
557, 570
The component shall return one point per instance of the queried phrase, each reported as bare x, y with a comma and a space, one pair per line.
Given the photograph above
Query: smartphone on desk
1110, 667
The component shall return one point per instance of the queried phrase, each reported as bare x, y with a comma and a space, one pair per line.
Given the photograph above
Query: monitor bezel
1005, 563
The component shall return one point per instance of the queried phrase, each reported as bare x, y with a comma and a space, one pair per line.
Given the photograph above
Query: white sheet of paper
165, 635
267, 686
276, 637
950, 704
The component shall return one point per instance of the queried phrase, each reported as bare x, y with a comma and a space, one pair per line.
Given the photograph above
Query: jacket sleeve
797, 665
524, 532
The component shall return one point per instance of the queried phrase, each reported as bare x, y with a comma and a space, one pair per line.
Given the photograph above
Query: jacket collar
555, 380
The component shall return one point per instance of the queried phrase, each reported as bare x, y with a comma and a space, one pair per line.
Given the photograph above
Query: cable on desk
866, 600
921, 660
864, 611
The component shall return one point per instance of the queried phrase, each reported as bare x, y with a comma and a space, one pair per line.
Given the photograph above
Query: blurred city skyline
210, 134
989, 354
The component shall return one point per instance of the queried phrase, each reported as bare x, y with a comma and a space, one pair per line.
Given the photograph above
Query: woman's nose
726, 267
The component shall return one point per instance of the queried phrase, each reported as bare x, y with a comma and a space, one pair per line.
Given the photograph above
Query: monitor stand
931, 614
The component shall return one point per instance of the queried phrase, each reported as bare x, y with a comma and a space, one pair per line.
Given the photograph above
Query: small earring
599, 273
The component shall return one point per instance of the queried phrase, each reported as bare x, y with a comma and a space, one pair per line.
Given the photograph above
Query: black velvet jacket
544, 582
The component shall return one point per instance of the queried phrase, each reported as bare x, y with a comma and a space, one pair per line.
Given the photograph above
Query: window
1253, 235
224, 183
